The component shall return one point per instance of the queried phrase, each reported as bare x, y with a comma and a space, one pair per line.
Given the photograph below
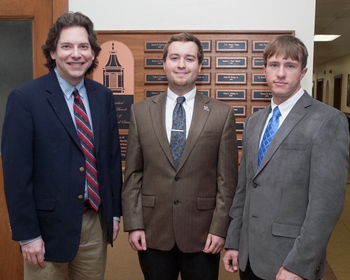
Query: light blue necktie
178, 131
270, 132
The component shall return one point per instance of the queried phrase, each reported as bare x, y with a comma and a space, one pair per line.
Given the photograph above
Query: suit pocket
148, 201
205, 203
211, 134
286, 230
293, 146
45, 203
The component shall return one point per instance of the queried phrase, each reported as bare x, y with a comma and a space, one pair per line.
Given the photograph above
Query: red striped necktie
87, 144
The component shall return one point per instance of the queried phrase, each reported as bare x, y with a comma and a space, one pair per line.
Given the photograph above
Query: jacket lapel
59, 106
157, 113
256, 135
95, 110
297, 113
201, 112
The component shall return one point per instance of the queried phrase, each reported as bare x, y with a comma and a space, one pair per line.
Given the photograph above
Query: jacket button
81, 169
177, 178
80, 196
255, 185
176, 202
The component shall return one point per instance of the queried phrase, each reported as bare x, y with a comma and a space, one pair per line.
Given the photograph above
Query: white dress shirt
170, 105
284, 107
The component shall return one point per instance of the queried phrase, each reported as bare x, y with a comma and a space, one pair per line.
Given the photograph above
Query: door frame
42, 14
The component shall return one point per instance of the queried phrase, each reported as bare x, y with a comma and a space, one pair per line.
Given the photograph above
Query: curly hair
70, 19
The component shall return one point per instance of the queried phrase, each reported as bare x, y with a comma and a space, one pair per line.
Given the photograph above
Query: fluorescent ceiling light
325, 38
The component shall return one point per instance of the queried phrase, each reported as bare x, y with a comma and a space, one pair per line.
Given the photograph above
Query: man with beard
181, 172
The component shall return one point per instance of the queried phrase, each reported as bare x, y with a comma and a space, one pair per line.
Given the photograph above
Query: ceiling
332, 17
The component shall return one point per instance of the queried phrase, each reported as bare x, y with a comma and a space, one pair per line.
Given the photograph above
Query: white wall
327, 71
298, 15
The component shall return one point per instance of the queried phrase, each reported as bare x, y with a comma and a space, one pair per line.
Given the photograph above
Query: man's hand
214, 244
284, 274
137, 240
34, 252
116, 227
230, 260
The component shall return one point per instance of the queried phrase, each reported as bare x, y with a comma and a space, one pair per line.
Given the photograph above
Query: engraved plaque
259, 46
155, 79
206, 46
231, 78
257, 62
205, 92
239, 111
153, 62
258, 79
206, 63
231, 46
155, 46
203, 79
239, 143
150, 93
261, 94
239, 126
231, 62
231, 94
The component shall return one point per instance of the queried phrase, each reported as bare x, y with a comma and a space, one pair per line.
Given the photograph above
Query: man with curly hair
61, 160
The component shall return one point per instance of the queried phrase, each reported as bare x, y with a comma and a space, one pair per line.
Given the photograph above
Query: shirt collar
287, 105
67, 88
171, 96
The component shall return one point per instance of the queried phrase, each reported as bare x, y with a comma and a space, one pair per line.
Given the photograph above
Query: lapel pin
206, 108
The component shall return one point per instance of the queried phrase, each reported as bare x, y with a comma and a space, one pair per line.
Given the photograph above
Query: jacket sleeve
237, 207
227, 169
327, 185
17, 156
115, 167
131, 193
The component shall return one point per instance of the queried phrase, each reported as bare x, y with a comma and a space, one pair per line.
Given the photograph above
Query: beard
182, 82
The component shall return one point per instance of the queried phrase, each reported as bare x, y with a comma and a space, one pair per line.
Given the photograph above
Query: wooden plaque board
147, 47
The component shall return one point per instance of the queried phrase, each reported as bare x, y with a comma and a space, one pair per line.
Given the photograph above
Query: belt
87, 206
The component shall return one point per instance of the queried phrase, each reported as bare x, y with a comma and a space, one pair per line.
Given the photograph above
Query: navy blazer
42, 160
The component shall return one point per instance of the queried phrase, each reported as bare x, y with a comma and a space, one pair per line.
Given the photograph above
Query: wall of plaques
231, 71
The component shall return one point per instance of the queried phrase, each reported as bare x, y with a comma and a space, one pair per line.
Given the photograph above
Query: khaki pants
90, 260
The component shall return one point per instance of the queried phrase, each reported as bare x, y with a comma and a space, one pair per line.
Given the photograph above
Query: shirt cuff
25, 242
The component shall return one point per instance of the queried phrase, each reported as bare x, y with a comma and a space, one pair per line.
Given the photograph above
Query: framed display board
231, 72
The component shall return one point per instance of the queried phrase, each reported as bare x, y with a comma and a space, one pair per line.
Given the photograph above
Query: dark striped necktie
178, 131
87, 144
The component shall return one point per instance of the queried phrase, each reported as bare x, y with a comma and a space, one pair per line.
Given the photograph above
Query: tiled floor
338, 252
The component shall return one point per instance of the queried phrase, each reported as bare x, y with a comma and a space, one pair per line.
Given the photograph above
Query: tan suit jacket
180, 206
